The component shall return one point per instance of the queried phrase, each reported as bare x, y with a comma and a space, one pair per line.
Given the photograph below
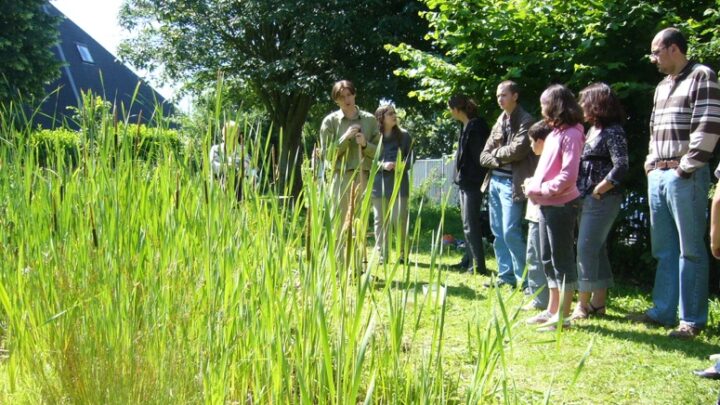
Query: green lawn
623, 362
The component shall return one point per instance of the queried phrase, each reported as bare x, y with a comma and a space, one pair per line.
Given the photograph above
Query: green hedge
51, 144
151, 142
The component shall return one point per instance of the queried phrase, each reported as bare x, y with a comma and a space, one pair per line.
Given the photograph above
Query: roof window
85, 53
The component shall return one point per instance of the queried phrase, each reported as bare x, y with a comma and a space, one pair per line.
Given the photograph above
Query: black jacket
468, 172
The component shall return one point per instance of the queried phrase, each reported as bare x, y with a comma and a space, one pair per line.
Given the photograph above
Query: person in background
537, 281
228, 156
395, 162
469, 175
603, 166
507, 154
554, 188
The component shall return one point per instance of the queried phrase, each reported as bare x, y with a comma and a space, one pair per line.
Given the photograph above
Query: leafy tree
288, 53
479, 43
25, 49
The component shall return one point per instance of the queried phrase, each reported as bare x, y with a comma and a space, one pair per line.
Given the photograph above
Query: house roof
89, 66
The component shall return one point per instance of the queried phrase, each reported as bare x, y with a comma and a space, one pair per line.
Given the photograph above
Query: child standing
554, 188
537, 282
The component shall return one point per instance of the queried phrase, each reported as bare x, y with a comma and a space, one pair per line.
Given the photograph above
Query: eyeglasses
654, 53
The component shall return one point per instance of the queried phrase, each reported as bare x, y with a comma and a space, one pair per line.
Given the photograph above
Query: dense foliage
539, 42
285, 54
27, 34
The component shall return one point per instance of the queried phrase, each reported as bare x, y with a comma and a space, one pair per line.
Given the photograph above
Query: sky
99, 18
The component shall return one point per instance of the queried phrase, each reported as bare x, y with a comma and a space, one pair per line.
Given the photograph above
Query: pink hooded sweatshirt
555, 178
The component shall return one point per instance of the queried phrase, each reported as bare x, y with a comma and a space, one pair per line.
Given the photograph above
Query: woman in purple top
554, 188
603, 166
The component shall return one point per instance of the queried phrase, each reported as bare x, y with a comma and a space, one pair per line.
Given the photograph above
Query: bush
56, 143
150, 142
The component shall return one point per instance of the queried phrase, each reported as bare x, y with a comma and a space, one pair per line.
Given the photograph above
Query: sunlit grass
125, 280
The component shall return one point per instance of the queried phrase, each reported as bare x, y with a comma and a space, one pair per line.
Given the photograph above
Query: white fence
435, 177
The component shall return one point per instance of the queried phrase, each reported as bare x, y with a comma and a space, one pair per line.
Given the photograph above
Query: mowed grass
623, 362
130, 281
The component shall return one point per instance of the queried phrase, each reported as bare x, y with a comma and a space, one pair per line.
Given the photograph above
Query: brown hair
601, 105
539, 130
395, 132
338, 88
464, 104
510, 85
562, 108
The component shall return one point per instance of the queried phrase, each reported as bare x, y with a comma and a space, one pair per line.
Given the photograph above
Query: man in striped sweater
684, 127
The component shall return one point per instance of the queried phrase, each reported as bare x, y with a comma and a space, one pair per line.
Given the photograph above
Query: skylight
85, 53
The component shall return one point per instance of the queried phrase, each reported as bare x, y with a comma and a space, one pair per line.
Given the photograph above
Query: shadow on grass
695, 348
461, 291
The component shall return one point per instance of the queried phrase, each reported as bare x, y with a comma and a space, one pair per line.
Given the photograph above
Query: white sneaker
539, 319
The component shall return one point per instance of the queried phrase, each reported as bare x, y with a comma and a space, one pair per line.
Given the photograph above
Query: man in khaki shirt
348, 140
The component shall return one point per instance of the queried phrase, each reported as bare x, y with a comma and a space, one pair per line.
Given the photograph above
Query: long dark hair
601, 105
396, 133
561, 108
464, 104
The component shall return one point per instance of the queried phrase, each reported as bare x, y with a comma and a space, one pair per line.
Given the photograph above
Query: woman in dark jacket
469, 175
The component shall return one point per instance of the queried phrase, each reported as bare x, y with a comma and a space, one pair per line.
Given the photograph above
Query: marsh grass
130, 280
126, 280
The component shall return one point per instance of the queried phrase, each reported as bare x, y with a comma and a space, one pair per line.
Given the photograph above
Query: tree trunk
289, 113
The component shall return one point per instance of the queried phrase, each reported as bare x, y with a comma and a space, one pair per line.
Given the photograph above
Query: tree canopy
25, 49
288, 53
477, 44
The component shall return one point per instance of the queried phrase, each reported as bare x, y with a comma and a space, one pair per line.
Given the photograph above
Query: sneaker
498, 284
685, 332
554, 324
539, 319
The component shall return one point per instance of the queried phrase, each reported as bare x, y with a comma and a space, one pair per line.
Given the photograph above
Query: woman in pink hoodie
554, 188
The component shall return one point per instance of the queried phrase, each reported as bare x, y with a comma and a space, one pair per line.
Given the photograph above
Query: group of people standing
576, 184
560, 178
562, 175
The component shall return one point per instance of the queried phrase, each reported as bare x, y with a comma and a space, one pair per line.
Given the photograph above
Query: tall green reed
133, 281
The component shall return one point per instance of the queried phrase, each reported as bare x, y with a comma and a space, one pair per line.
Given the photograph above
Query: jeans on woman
557, 241
596, 221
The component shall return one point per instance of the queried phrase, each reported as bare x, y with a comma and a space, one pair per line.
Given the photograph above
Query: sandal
596, 311
580, 312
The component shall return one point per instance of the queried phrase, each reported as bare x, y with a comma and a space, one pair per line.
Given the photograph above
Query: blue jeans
596, 221
678, 217
535, 275
506, 225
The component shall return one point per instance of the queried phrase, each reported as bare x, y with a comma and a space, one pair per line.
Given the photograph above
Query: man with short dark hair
684, 128
507, 153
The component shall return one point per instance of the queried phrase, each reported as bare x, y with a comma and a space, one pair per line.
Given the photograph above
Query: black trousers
470, 207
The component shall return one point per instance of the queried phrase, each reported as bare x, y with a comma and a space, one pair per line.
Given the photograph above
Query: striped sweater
685, 122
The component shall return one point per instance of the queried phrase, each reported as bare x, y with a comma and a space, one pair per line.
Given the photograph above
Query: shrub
50, 144
150, 142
